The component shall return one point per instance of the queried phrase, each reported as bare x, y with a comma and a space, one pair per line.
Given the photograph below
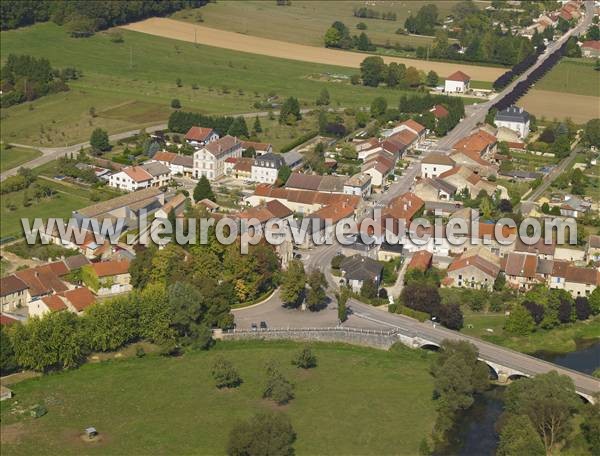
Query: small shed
91, 432
5, 393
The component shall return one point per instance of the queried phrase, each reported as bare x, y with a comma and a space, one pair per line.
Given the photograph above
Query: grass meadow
356, 401
131, 84
15, 156
305, 22
575, 76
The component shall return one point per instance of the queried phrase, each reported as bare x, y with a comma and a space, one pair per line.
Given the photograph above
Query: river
477, 434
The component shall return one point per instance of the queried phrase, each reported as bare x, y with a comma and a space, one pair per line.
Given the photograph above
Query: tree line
338, 36
26, 78
369, 13
86, 17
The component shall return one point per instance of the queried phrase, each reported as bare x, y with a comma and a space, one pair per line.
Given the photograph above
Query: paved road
487, 351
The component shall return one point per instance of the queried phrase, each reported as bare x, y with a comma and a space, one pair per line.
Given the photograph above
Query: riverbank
563, 339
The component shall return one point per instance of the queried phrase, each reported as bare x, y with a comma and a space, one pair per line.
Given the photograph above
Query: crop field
356, 401
576, 76
305, 22
183, 31
560, 105
131, 84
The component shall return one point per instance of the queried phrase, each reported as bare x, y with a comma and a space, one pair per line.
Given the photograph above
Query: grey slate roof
358, 267
269, 160
512, 114
156, 168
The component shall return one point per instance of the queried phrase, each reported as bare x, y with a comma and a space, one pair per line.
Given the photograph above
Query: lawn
15, 156
68, 198
356, 401
131, 84
305, 22
572, 76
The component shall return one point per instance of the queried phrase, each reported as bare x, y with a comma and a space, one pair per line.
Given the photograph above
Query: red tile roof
334, 212
256, 145
414, 125
198, 134
54, 303
440, 111
476, 142
405, 137
137, 173
6, 320
421, 260
110, 268
521, 265
476, 261
164, 156
80, 298
43, 280
459, 76
591, 45
404, 206
11, 284
586, 276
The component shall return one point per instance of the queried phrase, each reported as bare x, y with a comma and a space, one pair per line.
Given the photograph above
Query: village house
379, 168
317, 183
591, 49
514, 118
359, 184
199, 137
574, 206
357, 269
265, 168
457, 82
180, 165
293, 159
175, 204
209, 160
462, 177
108, 277
239, 167
300, 201
161, 174
210, 206
520, 270
421, 261
329, 215
592, 252
477, 268
417, 132
581, 281
131, 178
14, 293
439, 112
259, 148
434, 189
435, 164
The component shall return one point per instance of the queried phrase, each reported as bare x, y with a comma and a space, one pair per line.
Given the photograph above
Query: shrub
225, 375
278, 388
305, 359
175, 103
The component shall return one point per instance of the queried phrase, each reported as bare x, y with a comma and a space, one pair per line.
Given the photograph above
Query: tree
290, 111
396, 74
591, 132
458, 375
413, 78
8, 363
293, 283
238, 128
305, 358
594, 301
590, 426
421, 296
283, 174
203, 190
368, 289
451, 316
518, 437
266, 433
372, 71
175, 103
520, 321
490, 117
316, 292
323, 99
549, 401
278, 388
432, 79
257, 126
342, 299
224, 374
378, 106
332, 38
582, 308
99, 141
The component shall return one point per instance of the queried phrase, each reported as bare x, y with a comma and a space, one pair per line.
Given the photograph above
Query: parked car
253, 327
263, 325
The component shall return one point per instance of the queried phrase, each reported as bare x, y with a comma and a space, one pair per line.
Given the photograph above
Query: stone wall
369, 338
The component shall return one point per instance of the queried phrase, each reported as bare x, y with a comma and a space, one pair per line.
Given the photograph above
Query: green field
68, 197
131, 84
356, 401
15, 156
305, 22
572, 76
